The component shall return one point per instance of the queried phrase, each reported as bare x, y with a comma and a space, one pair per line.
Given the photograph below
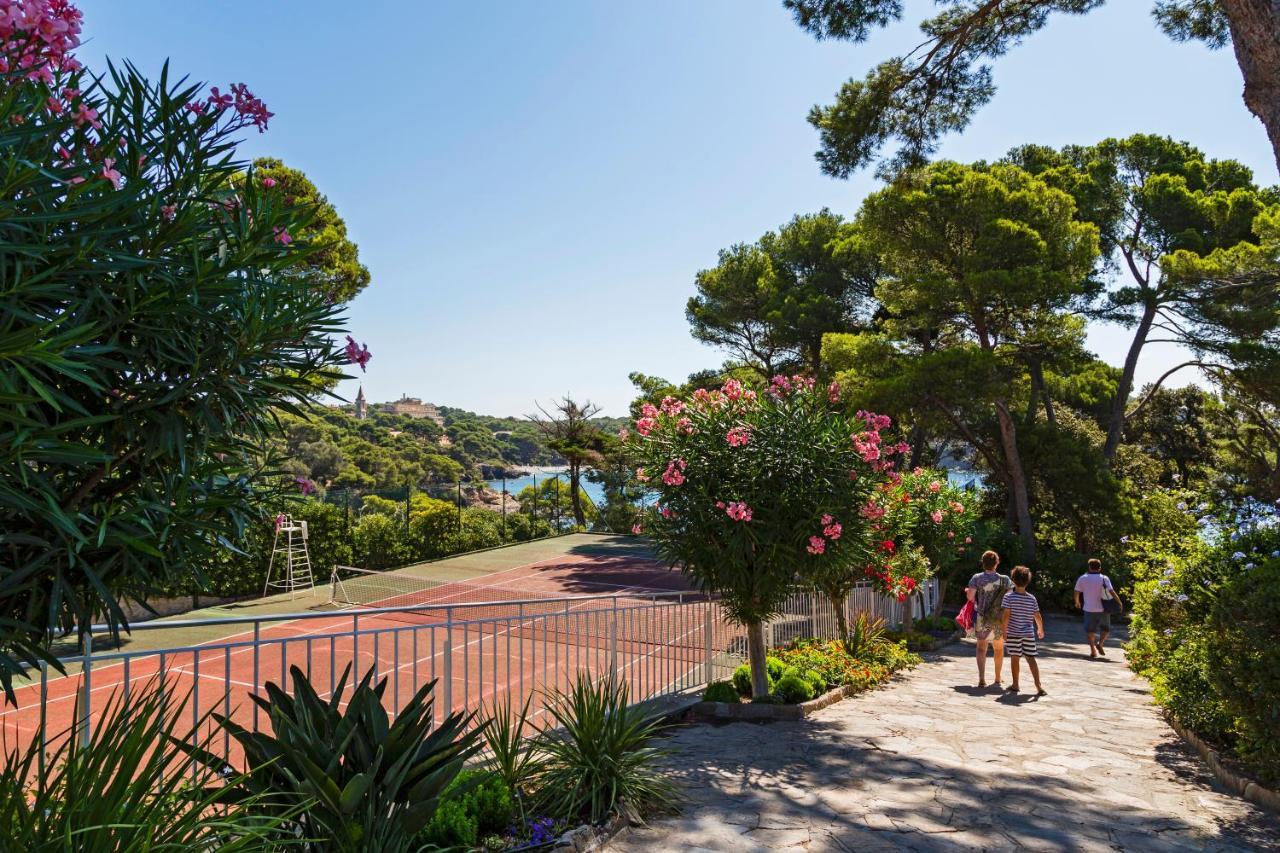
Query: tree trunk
1255, 36
1115, 428
916, 440
909, 614
842, 624
575, 497
1017, 479
756, 656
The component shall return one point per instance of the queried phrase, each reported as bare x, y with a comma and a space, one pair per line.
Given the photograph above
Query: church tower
362, 407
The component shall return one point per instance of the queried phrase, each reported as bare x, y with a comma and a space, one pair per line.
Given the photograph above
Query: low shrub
827, 660
917, 641
742, 675
775, 667
793, 689
721, 691
476, 805
936, 624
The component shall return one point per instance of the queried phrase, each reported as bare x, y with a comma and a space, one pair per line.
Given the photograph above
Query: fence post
706, 642
257, 648
613, 640
447, 695
88, 692
355, 646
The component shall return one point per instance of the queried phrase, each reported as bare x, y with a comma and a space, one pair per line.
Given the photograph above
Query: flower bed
805, 676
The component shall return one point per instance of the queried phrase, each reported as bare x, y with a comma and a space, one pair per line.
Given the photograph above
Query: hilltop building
362, 405
414, 408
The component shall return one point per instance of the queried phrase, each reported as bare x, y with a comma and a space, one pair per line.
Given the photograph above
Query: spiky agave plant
350, 777
599, 755
130, 789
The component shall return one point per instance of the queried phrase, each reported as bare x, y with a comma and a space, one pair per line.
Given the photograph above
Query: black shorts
1096, 623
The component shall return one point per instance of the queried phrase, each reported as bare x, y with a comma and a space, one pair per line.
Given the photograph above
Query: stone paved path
932, 763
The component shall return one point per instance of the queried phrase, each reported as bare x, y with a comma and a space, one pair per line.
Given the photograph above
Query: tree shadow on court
597, 574
759, 781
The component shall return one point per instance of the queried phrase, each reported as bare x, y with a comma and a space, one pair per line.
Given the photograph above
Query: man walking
986, 590
1091, 588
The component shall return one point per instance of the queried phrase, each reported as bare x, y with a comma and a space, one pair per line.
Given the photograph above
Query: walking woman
986, 590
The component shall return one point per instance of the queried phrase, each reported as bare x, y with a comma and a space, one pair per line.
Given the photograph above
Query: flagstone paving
932, 763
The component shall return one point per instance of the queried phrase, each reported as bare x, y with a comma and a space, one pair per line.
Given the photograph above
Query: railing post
257, 653
447, 695
613, 640
86, 680
706, 642
355, 646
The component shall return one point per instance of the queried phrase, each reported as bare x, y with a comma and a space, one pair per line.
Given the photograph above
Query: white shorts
1016, 647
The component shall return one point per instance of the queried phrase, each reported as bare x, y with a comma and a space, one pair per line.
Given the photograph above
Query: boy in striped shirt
1022, 626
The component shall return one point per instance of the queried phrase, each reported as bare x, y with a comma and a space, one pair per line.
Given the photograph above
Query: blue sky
534, 185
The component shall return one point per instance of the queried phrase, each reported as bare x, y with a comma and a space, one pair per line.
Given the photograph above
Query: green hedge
1206, 631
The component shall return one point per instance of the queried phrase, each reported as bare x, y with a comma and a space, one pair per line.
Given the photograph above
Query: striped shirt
1022, 607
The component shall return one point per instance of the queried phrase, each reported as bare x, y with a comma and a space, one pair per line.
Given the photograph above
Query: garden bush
937, 623
742, 675
828, 660
1205, 623
475, 806
726, 691
793, 689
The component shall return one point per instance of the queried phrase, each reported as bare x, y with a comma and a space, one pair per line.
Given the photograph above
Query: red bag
965, 617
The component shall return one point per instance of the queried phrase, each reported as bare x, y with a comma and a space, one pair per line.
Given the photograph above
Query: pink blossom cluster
738, 436
358, 353
38, 36
305, 484
833, 392
780, 385
666, 511
737, 510
872, 511
672, 406
641, 475
831, 530
875, 422
637, 529
935, 486
674, 475
249, 109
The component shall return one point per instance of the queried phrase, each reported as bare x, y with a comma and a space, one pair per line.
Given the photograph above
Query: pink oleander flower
951, 534
827, 518
86, 114
358, 353
956, 506
636, 529
935, 486
685, 426
968, 540
169, 212
719, 504
268, 182
732, 389
109, 172
641, 475
250, 107
701, 395
748, 394
644, 426
282, 235
872, 511
672, 406
903, 447
674, 475
936, 515
817, 545
305, 484
833, 392
55, 106
666, 511
649, 410
738, 511
833, 530
219, 101
195, 107
738, 436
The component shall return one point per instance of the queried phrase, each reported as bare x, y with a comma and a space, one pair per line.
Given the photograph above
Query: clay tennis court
583, 603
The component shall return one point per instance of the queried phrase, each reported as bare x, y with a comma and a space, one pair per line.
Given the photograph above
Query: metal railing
479, 653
